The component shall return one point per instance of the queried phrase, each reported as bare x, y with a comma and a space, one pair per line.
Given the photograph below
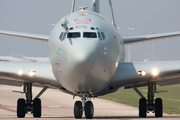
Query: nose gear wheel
86, 106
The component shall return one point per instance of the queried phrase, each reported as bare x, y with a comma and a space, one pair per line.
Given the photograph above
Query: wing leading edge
145, 38
168, 73
38, 37
44, 76
127, 40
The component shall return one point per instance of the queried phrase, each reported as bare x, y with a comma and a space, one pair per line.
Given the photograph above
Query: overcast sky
33, 16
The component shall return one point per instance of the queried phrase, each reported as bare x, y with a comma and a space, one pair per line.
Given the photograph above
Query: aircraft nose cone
81, 62
81, 56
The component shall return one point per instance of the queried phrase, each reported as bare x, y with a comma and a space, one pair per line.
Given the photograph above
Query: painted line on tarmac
42, 106
4, 108
53, 107
45, 115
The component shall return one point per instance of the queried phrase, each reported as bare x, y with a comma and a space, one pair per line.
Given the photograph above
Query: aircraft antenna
73, 5
112, 15
95, 6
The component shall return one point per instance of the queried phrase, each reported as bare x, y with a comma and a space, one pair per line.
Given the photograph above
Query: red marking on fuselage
82, 15
82, 21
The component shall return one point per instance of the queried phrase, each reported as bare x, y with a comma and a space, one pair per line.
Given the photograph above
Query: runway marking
53, 107
8, 106
4, 108
42, 106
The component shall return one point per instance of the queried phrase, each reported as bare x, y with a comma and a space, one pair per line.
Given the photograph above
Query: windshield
74, 35
89, 35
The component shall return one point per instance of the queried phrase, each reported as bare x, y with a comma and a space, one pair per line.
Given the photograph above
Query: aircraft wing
9, 73
43, 38
151, 37
168, 73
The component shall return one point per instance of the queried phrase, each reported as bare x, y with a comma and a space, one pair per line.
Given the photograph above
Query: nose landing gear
86, 106
78, 109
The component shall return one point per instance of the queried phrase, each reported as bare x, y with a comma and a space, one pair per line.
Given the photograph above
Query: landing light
32, 73
116, 64
20, 72
142, 73
155, 72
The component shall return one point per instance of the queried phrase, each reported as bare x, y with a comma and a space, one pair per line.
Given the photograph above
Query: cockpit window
89, 35
62, 36
74, 35
101, 36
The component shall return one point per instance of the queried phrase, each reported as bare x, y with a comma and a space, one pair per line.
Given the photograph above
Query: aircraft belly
91, 81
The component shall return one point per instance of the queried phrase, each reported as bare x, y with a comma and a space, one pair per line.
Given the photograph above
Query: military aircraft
87, 55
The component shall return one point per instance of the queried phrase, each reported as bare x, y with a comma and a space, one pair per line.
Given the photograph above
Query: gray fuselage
84, 53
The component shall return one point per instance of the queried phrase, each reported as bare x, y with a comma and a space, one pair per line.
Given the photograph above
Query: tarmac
57, 105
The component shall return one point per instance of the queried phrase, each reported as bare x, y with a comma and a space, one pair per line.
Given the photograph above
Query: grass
171, 99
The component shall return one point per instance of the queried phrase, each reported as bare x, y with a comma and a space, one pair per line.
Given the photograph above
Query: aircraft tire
89, 110
158, 107
78, 109
21, 108
37, 108
142, 107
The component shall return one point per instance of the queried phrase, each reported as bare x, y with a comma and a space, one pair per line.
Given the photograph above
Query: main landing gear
86, 106
29, 105
145, 106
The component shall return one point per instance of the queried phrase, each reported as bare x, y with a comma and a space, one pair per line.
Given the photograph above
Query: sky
34, 16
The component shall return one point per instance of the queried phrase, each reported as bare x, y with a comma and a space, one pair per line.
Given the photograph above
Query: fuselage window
74, 35
89, 35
